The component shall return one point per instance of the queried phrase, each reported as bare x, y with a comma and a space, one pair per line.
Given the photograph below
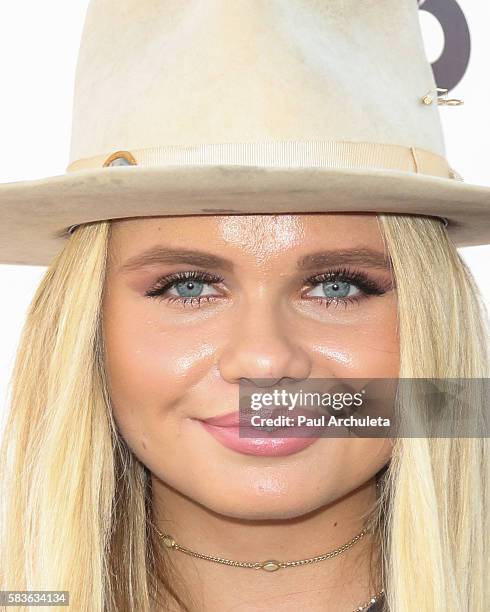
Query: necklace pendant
271, 565
168, 541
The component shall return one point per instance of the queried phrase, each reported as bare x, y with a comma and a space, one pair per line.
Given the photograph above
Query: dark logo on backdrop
451, 66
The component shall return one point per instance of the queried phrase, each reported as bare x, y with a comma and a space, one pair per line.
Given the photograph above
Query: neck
342, 582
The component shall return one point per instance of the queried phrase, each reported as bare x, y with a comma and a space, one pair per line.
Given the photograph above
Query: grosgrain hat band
283, 154
317, 154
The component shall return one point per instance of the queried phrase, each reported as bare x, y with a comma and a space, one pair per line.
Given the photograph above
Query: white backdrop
38, 50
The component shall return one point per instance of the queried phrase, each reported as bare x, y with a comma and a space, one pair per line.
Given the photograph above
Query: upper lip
230, 419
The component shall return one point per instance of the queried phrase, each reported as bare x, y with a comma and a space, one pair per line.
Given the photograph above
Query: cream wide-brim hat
247, 107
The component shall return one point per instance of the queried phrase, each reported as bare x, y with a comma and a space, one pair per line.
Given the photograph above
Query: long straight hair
77, 504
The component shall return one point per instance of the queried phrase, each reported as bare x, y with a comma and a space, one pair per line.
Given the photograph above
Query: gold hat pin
441, 99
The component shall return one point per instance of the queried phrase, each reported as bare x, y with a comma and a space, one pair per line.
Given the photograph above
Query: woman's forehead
245, 228
238, 239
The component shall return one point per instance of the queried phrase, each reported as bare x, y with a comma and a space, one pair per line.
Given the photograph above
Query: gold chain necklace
271, 565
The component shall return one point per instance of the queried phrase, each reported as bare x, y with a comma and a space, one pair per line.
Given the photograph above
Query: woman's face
226, 298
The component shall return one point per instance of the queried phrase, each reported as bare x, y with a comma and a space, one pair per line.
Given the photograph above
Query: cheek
368, 346
135, 366
149, 367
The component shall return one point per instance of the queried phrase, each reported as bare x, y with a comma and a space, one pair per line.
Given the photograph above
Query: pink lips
230, 419
226, 430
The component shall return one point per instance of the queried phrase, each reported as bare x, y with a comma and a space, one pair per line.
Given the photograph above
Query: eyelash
368, 287
167, 282
359, 279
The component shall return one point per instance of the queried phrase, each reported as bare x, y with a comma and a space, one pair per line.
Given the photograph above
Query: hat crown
190, 72
247, 107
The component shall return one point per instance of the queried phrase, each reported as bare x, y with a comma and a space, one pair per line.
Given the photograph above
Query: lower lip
266, 447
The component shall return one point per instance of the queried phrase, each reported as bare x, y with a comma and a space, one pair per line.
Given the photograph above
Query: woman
143, 328
96, 485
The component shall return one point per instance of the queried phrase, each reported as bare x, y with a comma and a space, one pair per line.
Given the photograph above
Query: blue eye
338, 289
342, 286
189, 288
185, 287
333, 287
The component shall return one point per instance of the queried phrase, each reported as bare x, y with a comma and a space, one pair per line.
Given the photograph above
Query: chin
247, 506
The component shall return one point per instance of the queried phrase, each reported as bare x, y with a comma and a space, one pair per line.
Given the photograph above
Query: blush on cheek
357, 354
150, 367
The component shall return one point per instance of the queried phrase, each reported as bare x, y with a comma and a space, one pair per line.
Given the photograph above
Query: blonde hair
77, 504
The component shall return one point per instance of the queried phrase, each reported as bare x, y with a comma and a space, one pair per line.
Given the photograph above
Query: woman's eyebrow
360, 256
164, 255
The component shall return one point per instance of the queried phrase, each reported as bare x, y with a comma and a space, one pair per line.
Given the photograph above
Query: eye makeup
189, 279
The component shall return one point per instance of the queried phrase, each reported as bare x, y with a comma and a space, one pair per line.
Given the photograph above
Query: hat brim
35, 215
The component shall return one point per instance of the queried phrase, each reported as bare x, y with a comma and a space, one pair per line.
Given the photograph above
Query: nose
263, 346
